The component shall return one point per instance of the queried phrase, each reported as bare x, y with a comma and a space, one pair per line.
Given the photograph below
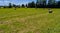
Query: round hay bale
50, 11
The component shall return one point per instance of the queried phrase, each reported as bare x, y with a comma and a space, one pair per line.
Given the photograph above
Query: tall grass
29, 20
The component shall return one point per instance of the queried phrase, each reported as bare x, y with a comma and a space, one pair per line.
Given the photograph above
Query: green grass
29, 20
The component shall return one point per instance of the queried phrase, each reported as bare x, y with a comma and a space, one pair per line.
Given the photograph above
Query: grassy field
29, 20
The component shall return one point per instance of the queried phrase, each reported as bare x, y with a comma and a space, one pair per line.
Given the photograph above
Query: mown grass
29, 20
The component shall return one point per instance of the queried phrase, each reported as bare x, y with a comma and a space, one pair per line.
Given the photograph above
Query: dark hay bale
50, 11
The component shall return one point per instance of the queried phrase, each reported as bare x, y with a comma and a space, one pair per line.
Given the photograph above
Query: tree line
34, 5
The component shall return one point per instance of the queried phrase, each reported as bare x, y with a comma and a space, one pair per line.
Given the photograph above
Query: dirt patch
1, 31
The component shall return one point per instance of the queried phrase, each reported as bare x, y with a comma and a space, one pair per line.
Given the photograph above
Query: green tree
10, 6
31, 4
23, 5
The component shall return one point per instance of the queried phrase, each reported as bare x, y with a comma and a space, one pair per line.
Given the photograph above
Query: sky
17, 2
